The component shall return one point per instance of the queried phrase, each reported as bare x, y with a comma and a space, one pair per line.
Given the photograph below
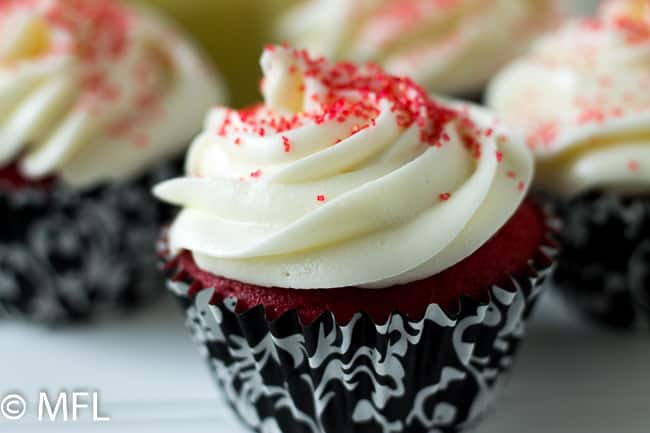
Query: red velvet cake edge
509, 252
12, 180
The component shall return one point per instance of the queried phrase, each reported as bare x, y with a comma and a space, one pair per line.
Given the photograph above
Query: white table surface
570, 377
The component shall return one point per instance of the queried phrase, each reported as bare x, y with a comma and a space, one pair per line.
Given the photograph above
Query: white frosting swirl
579, 98
450, 46
92, 91
346, 176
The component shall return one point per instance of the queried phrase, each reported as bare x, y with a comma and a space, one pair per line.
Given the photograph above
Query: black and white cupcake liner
604, 267
67, 255
437, 374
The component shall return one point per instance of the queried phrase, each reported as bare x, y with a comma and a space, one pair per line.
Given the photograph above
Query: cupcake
578, 97
354, 255
246, 22
96, 101
451, 47
232, 32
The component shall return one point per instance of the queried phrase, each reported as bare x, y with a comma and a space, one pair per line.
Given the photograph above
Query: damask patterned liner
437, 374
604, 267
67, 255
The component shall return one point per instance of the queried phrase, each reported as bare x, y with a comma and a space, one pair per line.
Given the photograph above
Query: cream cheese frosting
95, 91
580, 97
449, 46
344, 176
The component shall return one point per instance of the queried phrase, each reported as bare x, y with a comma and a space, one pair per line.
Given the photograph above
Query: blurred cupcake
354, 255
579, 96
246, 24
450, 47
95, 100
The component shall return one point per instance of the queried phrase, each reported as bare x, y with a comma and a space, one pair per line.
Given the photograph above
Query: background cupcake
451, 47
579, 96
233, 32
94, 96
354, 255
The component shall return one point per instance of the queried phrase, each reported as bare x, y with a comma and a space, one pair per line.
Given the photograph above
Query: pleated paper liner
68, 255
604, 267
439, 373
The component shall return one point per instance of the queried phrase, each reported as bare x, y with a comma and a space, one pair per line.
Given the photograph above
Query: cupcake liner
604, 267
439, 373
67, 255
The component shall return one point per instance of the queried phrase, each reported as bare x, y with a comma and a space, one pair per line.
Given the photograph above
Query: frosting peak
592, 130
345, 176
94, 90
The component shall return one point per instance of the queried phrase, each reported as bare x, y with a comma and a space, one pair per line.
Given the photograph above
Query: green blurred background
234, 33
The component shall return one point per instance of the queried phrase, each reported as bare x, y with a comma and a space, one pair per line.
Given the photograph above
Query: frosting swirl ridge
345, 176
577, 96
92, 91
450, 46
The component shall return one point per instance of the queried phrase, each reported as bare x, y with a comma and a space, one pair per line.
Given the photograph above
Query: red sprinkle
633, 165
320, 197
592, 24
444, 196
256, 174
141, 140
590, 115
636, 30
286, 143
605, 81
101, 26
499, 156
410, 103
545, 135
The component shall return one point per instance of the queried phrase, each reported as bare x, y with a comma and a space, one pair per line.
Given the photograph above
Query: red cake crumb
507, 253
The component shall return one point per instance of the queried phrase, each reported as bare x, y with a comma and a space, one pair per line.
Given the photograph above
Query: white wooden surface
570, 377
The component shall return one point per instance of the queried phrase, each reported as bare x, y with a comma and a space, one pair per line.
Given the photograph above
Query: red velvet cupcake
97, 99
353, 254
590, 136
